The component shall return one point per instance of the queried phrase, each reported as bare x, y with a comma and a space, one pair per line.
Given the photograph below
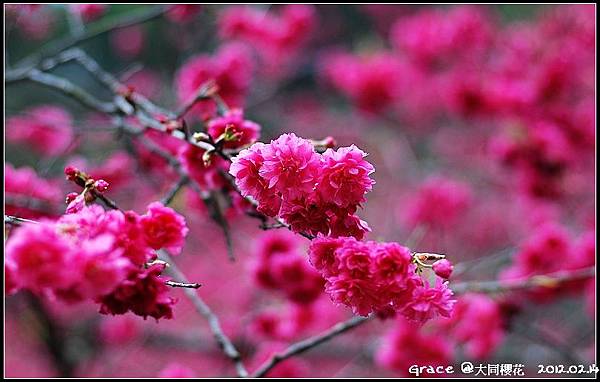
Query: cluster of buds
92, 189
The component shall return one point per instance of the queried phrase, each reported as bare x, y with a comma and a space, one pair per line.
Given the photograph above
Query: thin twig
309, 343
168, 198
177, 284
93, 31
16, 221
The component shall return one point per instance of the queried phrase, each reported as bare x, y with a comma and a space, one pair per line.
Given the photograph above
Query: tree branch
213, 321
550, 280
309, 343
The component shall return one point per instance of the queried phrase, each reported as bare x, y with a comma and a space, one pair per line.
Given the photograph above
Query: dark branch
309, 343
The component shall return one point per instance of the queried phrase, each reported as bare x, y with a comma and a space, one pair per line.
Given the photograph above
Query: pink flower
439, 202
377, 277
345, 177
280, 266
322, 254
443, 268
46, 129
305, 216
43, 259
478, 324
428, 302
23, 184
245, 168
290, 165
276, 38
164, 228
372, 82
143, 293
231, 68
238, 132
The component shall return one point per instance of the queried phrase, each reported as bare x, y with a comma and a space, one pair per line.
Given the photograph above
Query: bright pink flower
344, 223
373, 82
43, 259
231, 68
345, 177
443, 268
279, 265
304, 215
26, 194
276, 38
377, 277
429, 302
46, 129
290, 165
245, 168
478, 324
164, 228
239, 132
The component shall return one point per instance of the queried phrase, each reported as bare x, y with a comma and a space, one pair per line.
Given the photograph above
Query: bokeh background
479, 120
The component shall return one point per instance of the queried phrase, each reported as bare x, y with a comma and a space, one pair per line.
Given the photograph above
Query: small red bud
71, 172
101, 185
71, 196
443, 268
329, 142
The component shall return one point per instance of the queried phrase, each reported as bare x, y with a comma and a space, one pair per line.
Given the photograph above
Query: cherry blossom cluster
230, 67
26, 194
313, 193
106, 256
47, 129
551, 248
279, 265
379, 277
277, 38
461, 64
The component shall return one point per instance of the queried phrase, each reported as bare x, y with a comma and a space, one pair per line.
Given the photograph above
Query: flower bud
443, 268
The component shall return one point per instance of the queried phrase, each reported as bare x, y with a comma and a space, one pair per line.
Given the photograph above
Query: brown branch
168, 198
309, 343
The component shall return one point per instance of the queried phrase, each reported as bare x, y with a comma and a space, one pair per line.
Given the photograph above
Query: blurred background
479, 120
